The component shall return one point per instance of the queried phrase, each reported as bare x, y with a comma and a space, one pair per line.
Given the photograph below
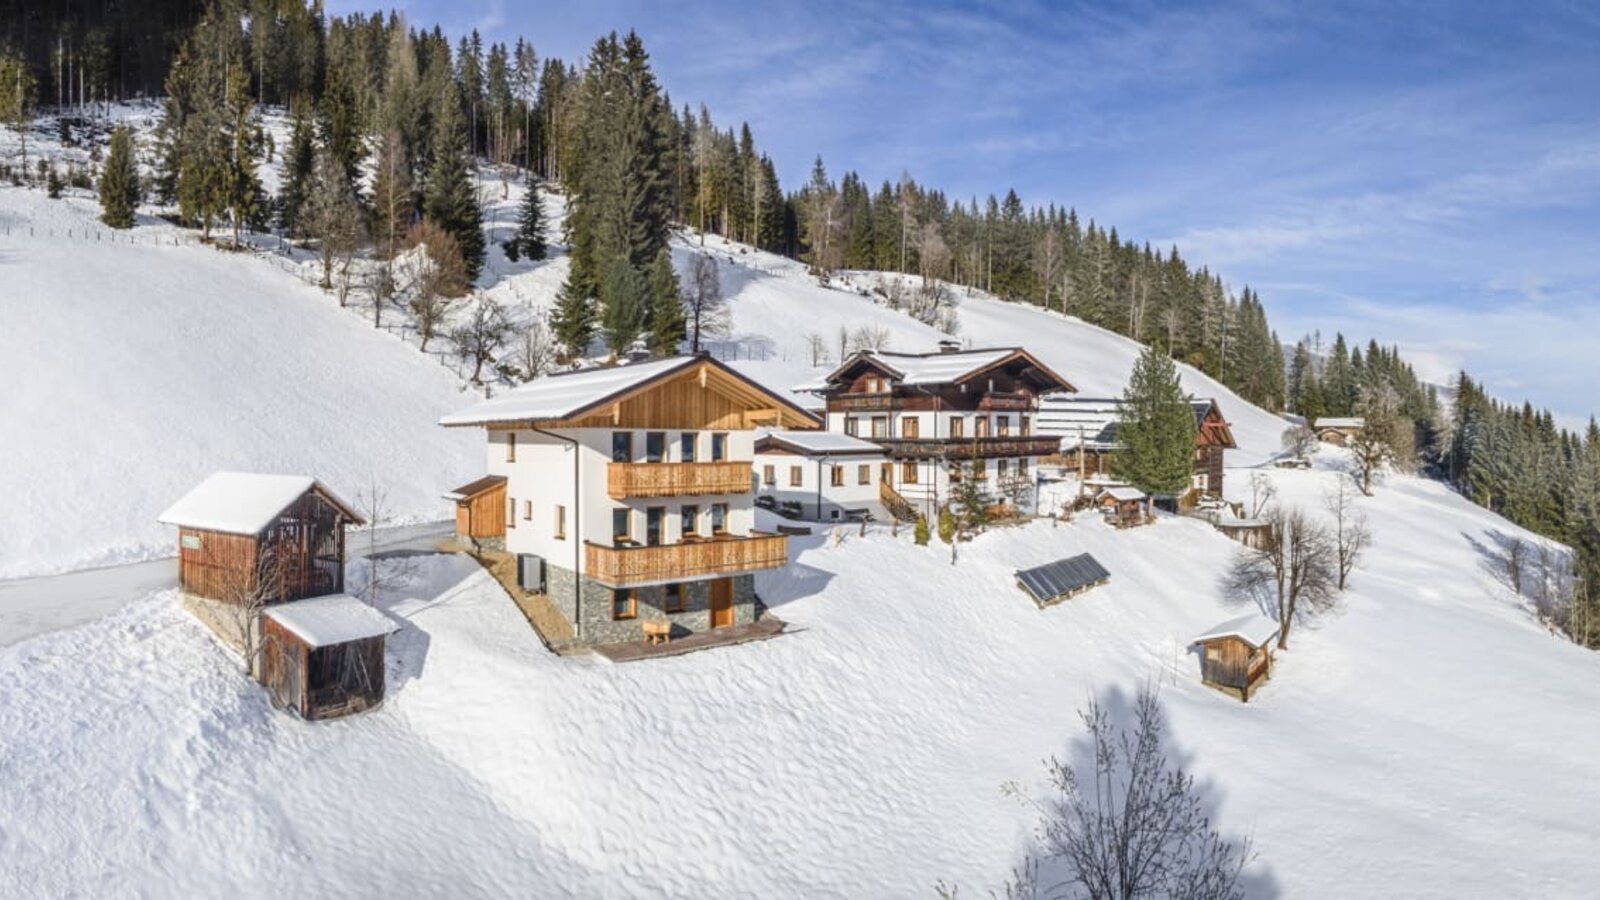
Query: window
1003, 426
673, 602
908, 473
769, 474
653, 517
622, 604
1027, 425
561, 522
511, 512
621, 521
836, 476
719, 518
863, 474
1213, 654
1002, 468
796, 476
880, 426
511, 446
980, 426
622, 446
886, 472
980, 469
850, 426
686, 445
910, 426
527, 510
719, 447
1022, 466
689, 520
655, 446
958, 427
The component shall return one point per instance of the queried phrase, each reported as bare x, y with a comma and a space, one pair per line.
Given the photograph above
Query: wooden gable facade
1012, 383
300, 553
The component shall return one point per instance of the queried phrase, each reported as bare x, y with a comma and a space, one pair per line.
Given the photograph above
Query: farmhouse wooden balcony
707, 557
967, 448
862, 401
624, 480
1001, 401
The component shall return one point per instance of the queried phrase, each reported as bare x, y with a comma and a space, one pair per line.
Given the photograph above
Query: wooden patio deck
768, 626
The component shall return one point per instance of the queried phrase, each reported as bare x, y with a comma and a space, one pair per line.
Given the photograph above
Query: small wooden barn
1339, 431
324, 657
1236, 655
481, 511
1253, 533
1063, 579
252, 539
1125, 506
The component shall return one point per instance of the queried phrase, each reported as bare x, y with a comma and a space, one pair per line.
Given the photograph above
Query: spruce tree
668, 322
625, 299
297, 163
572, 320
529, 239
119, 182
451, 200
1157, 428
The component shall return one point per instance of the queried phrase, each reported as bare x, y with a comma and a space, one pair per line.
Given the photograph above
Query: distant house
944, 416
1339, 431
824, 476
627, 493
1087, 429
1236, 655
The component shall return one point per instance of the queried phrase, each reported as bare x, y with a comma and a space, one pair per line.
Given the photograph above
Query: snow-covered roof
334, 619
818, 443
1123, 494
566, 395
1254, 629
1342, 422
938, 368
474, 488
1092, 421
242, 502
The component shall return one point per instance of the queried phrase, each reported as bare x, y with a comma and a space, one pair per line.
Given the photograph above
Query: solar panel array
1062, 576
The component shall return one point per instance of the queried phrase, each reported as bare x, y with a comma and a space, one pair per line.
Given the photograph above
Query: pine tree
573, 320
1157, 428
668, 322
625, 303
451, 200
297, 163
529, 239
119, 182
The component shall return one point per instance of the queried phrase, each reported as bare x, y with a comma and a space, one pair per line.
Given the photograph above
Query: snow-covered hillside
128, 372
1430, 740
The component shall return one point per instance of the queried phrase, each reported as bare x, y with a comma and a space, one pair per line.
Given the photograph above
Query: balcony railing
862, 401
624, 480
1001, 400
968, 448
708, 557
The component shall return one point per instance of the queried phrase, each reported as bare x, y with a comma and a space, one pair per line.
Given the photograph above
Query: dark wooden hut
1125, 507
324, 657
1236, 655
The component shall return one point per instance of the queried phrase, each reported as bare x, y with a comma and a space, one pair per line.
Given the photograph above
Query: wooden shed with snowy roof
264, 539
323, 657
1237, 654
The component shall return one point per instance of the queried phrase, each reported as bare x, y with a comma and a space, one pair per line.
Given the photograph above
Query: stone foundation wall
596, 626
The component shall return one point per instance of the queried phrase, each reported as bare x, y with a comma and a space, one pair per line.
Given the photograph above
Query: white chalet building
821, 476
628, 492
942, 416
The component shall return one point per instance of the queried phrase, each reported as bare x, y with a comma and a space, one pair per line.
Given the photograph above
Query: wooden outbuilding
246, 538
1339, 431
324, 657
481, 511
1126, 507
1236, 655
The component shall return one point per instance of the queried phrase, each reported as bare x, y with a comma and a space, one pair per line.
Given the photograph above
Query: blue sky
1423, 173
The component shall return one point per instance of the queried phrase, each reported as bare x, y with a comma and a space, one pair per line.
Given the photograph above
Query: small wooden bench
657, 631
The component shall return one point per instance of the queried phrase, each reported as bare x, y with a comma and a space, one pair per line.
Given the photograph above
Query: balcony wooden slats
1002, 401
712, 557
624, 480
967, 448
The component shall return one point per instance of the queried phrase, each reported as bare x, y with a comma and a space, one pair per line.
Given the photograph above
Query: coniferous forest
422, 110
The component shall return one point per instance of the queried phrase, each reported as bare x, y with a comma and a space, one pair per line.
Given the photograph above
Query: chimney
949, 345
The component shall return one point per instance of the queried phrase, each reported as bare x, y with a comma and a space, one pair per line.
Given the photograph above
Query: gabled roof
1093, 421
473, 488
571, 395
1254, 629
1341, 422
334, 619
1122, 494
814, 443
1063, 576
947, 367
245, 502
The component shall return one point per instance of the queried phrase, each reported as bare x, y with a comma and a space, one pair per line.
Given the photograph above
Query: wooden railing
967, 448
625, 480
862, 401
1001, 400
895, 504
623, 566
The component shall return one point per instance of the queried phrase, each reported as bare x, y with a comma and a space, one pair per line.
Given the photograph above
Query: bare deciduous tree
383, 572
378, 284
1386, 437
1292, 573
708, 313
537, 352
482, 336
1127, 823
431, 275
818, 347
1299, 441
868, 337
1351, 534
330, 214
1262, 491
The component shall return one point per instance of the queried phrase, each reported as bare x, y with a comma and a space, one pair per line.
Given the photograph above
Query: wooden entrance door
722, 603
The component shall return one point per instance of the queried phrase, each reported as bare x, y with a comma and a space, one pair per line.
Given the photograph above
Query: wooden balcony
862, 402
1000, 401
707, 557
968, 448
624, 480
